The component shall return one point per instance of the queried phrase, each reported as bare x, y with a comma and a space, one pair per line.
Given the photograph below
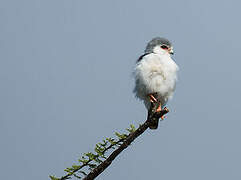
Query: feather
155, 73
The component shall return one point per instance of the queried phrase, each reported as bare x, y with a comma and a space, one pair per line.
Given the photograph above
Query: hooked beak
170, 50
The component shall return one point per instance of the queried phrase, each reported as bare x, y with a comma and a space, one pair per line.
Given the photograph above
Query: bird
155, 75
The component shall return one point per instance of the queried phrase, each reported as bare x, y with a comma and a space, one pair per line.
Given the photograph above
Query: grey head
157, 41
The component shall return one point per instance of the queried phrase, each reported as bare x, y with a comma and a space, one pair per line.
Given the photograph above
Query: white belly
155, 74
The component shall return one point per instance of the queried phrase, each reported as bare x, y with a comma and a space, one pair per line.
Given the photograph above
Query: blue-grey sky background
65, 74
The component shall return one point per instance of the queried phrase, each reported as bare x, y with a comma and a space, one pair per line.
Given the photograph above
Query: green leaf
97, 158
131, 129
111, 141
84, 161
68, 170
53, 178
104, 143
99, 150
75, 167
90, 155
120, 136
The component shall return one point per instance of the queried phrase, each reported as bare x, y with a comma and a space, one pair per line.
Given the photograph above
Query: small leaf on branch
111, 141
103, 144
131, 129
84, 161
75, 167
120, 136
90, 155
68, 170
53, 178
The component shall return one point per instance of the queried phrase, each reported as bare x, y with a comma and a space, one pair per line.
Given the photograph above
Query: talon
159, 108
163, 117
152, 98
165, 108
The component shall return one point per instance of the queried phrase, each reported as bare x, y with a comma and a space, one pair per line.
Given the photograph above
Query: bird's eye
164, 47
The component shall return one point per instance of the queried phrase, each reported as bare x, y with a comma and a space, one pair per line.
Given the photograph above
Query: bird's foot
152, 98
163, 117
159, 110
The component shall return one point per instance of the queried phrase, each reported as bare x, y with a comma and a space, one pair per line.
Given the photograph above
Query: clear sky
65, 74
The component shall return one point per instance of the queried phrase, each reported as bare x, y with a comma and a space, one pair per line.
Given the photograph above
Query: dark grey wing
140, 58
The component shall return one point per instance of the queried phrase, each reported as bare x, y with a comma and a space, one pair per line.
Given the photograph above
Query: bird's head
159, 46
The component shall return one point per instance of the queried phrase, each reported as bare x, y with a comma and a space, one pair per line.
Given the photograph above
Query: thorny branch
152, 116
123, 142
67, 176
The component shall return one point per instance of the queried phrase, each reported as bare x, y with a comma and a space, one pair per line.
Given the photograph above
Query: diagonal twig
152, 116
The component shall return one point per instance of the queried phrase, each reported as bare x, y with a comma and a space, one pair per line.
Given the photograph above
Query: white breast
155, 74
